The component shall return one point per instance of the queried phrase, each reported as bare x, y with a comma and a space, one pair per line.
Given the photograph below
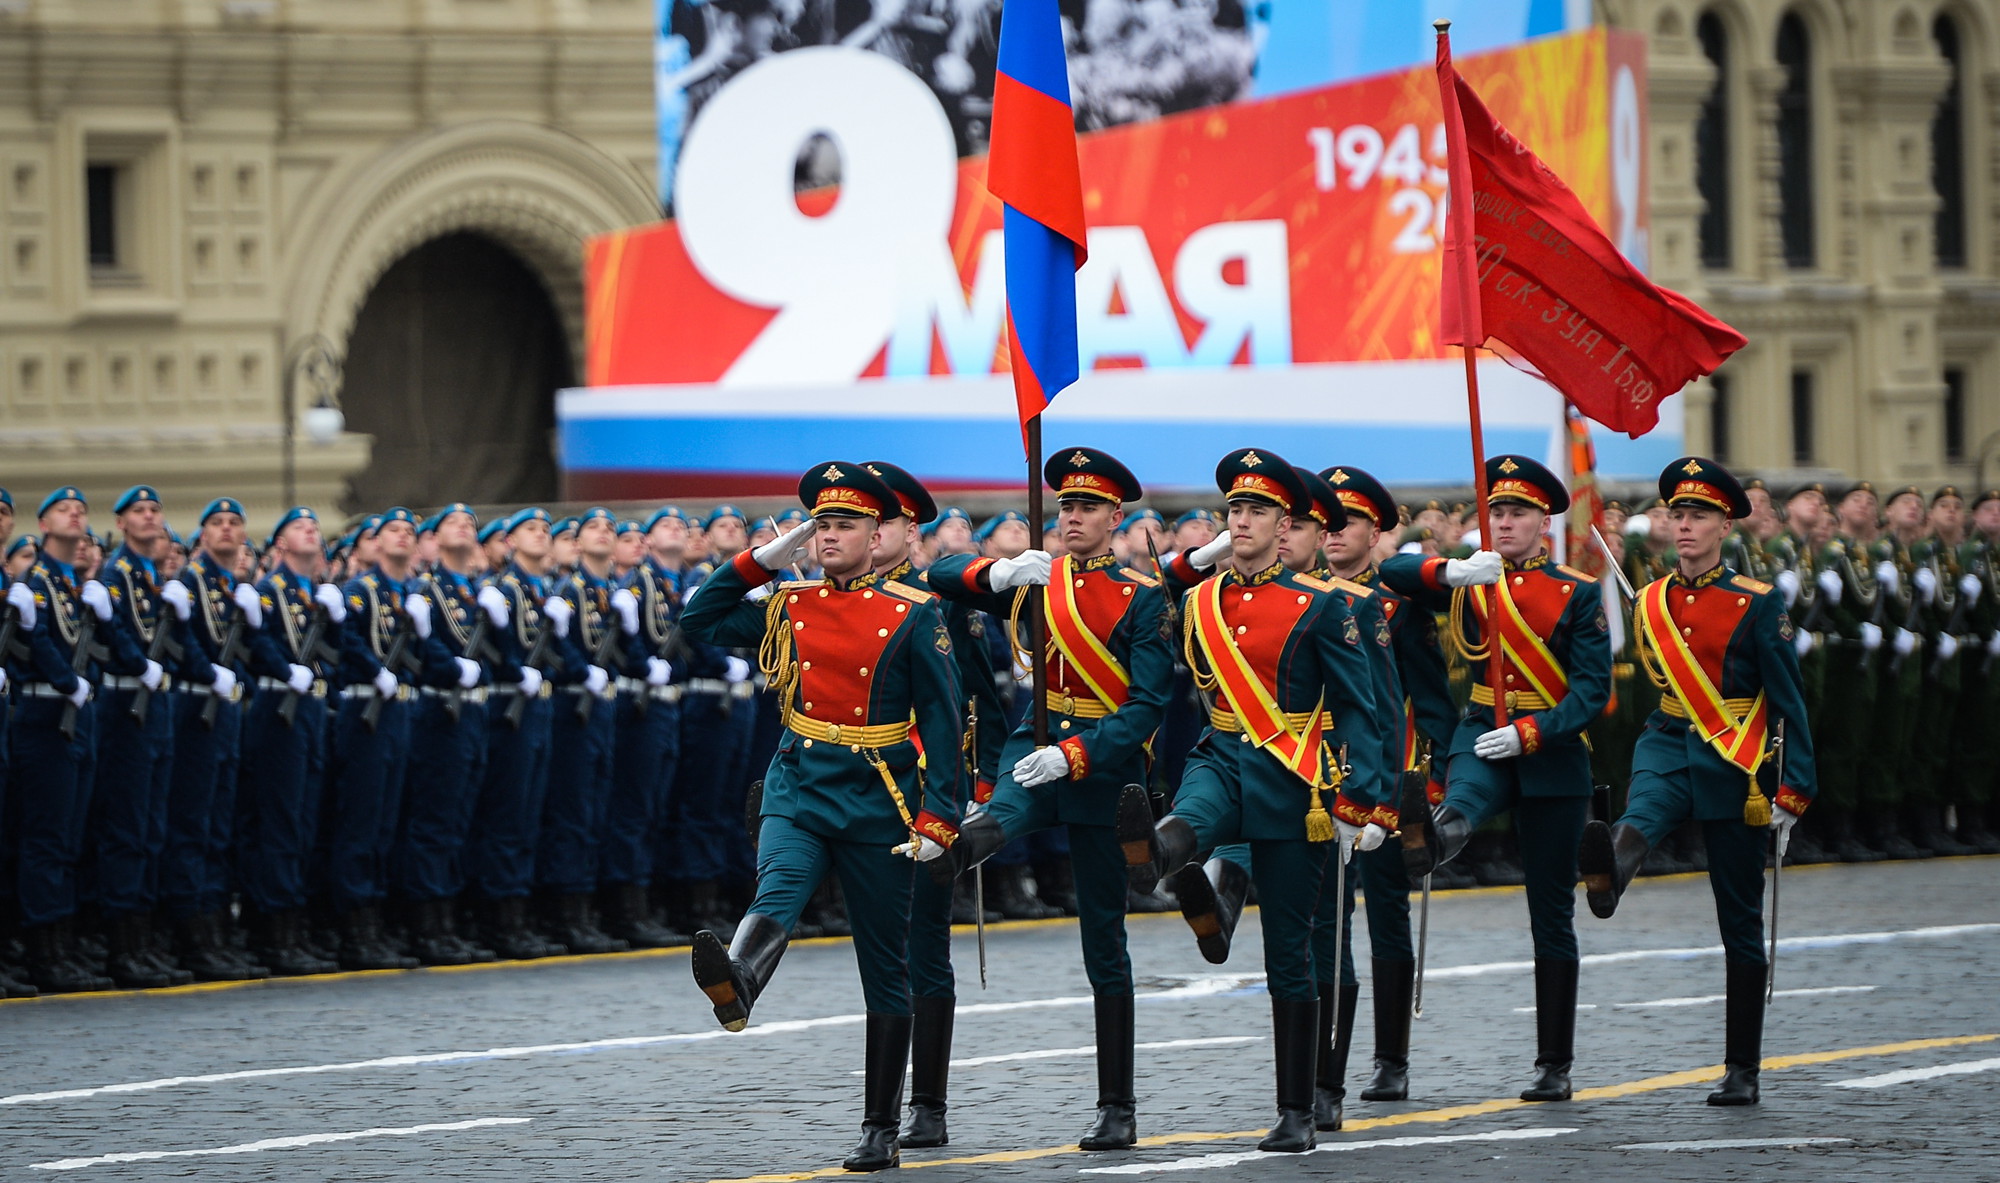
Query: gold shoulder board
1139, 577
1573, 573
1352, 588
1318, 584
912, 594
1751, 585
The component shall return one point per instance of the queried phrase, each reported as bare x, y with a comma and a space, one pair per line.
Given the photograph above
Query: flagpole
1464, 260
1038, 627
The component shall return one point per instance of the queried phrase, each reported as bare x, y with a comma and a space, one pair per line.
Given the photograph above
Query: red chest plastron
1707, 619
840, 637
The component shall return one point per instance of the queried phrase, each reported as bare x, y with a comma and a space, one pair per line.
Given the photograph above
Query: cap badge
833, 472
1078, 460
1509, 467
1339, 476
1692, 467
1252, 460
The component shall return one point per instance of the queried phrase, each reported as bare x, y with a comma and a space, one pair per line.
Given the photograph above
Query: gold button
1079, 583
1065, 724
822, 593
792, 599
1690, 598
1510, 679
881, 632
857, 710
1241, 629
1519, 580
1687, 632
805, 665
1567, 587
809, 706
809, 743
855, 748
798, 626
1128, 589
1247, 595
900, 608
1302, 599
868, 595
1245, 738
1742, 600
864, 671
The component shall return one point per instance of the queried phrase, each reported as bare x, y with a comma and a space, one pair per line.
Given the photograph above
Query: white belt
367, 690
645, 689
280, 686
39, 690
200, 691
706, 686
468, 694
610, 692
132, 682
511, 689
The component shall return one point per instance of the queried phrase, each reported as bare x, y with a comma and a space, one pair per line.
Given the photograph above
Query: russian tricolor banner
1032, 169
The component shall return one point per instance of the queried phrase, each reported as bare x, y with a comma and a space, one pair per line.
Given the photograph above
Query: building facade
220, 217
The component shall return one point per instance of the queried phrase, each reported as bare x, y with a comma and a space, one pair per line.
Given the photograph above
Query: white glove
1970, 587
1499, 744
1947, 647
494, 601
97, 598
299, 679
250, 604
1208, 554
786, 548
152, 675
659, 671
81, 694
1782, 821
1926, 581
1804, 641
1887, 575
1030, 568
1638, 525
738, 670
329, 598
3, 679
1993, 645
626, 605
559, 612
1041, 766
23, 598
1372, 836
1346, 835
923, 849
1788, 583
1871, 636
1830, 584
176, 596
531, 681
225, 680
1906, 642
468, 672
418, 608
1483, 567
595, 679
385, 683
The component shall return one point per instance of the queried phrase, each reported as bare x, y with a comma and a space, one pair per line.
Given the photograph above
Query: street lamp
312, 360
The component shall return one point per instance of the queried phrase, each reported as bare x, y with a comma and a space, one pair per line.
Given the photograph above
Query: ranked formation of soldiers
440, 741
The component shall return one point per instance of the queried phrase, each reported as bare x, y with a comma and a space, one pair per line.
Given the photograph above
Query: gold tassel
1756, 807
1319, 823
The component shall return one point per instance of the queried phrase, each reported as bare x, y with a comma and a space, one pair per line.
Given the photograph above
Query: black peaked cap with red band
842, 488
910, 492
1326, 503
1088, 472
1361, 493
1697, 480
1524, 481
1262, 476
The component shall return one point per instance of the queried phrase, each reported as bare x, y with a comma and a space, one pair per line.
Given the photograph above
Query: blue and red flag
1031, 167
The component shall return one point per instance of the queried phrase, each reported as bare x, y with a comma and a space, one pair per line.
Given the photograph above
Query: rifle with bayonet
311, 651
599, 655
478, 648
537, 654
399, 659
86, 650
163, 645
233, 649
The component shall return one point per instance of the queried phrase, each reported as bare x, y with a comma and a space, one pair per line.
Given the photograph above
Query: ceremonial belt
1226, 720
1065, 703
1736, 735
856, 735
365, 690
510, 689
1301, 748
1083, 649
1412, 755
39, 690
1673, 708
706, 686
204, 690
280, 686
1516, 700
468, 694
1520, 645
643, 688
133, 682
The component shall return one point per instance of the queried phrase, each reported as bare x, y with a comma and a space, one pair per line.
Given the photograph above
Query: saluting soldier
867, 777
1295, 717
1719, 646
53, 740
1110, 666
1555, 646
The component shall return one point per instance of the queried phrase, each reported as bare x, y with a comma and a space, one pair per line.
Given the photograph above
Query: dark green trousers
791, 863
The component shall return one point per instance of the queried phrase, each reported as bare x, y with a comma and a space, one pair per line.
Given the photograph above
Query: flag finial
1442, 25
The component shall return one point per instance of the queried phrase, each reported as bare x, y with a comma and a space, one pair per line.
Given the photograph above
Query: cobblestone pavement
612, 1068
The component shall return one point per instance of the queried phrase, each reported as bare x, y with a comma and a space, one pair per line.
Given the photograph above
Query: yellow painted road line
1449, 1113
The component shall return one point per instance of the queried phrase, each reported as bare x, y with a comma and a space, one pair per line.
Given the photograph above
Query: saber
979, 916
1778, 845
1423, 938
1340, 852
1624, 584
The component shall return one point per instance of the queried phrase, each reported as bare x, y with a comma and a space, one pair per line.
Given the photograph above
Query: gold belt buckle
833, 733
1513, 699
1068, 703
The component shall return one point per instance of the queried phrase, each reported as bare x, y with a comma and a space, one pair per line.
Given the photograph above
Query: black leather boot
1555, 1030
1211, 899
930, 1071
275, 940
1928, 830
1743, 1038
430, 935
205, 955
574, 927
733, 978
1117, 1125
1337, 1005
125, 960
154, 947
1891, 839
627, 918
882, 1089
362, 945
1295, 1036
51, 968
1443, 838
1008, 888
506, 931
1395, 988
1607, 858
1152, 852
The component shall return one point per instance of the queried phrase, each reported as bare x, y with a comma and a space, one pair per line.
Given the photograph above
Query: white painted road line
1704, 999
1215, 986
1738, 1144
1909, 1075
298, 1140
1060, 1053
1209, 1162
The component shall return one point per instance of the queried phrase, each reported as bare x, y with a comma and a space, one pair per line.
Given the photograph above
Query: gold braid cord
1459, 635
1022, 653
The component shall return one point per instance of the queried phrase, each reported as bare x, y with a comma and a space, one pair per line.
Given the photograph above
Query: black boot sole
716, 976
1597, 865
1135, 838
1202, 911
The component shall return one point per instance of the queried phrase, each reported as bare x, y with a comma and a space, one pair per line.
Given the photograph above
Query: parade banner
1273, 259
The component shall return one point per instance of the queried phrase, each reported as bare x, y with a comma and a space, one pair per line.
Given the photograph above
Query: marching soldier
1109, 670
1719, 646
1974, 768
1854, 609
53, 739
1941, 679
933, 982
1295, 682
1908, 589
865, 679
135, 757
448, 729
295, 629
1556, 672
195, 880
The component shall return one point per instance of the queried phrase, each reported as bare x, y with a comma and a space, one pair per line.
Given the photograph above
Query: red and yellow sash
1522, 648
1083, 649
1266, 725
1741, 742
